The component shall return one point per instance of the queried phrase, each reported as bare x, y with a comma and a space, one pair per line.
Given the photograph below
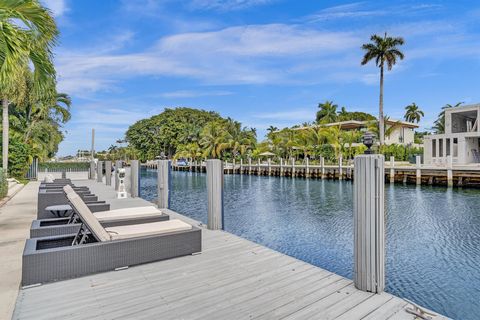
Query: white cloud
193, 94
226, 5
58, 7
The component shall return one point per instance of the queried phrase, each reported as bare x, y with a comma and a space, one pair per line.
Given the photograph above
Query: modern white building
461, 139
403, 132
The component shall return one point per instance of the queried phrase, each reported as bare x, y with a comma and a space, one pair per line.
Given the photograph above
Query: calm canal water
433, 234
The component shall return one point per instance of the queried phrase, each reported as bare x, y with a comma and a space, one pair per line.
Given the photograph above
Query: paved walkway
15, 219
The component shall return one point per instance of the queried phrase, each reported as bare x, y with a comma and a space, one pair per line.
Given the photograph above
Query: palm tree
214, 139
413, 113
327, 112
22, 45
383, 50
271, 129
439, 124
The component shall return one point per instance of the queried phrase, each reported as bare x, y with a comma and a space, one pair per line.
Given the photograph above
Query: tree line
33, 112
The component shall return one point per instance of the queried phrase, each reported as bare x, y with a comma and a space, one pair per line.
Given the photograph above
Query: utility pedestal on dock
135, 178
163, 183
449, 171
418, 172
369, 223
215, 194
108, 173
392, 169
99, 171
118, 165
91, 172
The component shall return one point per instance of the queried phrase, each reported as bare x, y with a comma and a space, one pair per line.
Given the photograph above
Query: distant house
461, 139
403, 132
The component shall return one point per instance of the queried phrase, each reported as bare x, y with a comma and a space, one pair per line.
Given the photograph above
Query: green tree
327, 112
413, 113
27, 34
214, 140
382, 50
272, 129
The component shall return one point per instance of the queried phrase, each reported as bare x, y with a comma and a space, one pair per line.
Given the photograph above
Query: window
434, 148
440, 148
447, 143
455, 147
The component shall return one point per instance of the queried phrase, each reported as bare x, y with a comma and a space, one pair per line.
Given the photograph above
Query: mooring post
449, 171
293, 167
369, 223
163, 183
340, 168
241, 165
269, 161
307, 169
233, 166
135, 178
118, 165
418, 172
249, 165
322, 168
258, 167
281, 167
392, 169
108, 173
215, 194
99, 171
91, 173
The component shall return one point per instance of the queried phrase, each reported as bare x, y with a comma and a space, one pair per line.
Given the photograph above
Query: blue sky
262, 62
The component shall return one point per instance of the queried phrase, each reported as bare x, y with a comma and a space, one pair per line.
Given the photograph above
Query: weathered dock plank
232, 278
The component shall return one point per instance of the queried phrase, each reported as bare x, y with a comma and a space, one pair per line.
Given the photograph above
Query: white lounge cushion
147, 229
127, 213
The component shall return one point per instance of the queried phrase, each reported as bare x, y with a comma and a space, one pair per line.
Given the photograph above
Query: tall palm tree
383, 50
439, 124
272, 129
327, 112
413, 113
214, 139
27, 34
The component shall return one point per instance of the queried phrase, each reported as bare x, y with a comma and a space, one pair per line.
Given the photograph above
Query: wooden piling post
249, 165
215, 194
99, 171
418, 171
392, 169
293, 167
135, 178
241, 165
118, 165
322, 168
163, 183
233, 164
307, 169
108, 173
449, 171
258, 167
269, 161
369, 223
281, 167
340, 168
91, 172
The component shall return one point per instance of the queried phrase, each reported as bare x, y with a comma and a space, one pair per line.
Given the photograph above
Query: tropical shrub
19, 159
3, 184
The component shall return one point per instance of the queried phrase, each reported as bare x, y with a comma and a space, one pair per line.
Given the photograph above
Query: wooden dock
231, 279
460, 176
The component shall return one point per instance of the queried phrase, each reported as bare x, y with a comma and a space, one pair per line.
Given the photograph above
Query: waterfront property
401, 132
461, 141
232, 278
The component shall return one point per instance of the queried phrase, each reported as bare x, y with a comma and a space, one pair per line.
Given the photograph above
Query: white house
402, 133
461, 139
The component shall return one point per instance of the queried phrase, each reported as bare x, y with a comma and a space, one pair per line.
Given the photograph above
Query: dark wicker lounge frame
64, 257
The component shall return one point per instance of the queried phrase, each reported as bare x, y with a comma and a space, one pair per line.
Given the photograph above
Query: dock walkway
232, 278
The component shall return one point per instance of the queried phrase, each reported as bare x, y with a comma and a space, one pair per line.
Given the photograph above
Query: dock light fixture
368, 139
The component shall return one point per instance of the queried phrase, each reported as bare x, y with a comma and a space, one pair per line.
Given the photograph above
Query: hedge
3, 184
59, 166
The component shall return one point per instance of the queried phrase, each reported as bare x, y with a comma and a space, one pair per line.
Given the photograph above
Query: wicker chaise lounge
110, 218
97, 249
